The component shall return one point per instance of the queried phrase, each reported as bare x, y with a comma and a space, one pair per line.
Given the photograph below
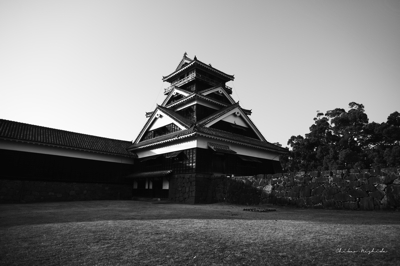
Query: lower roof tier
207, 138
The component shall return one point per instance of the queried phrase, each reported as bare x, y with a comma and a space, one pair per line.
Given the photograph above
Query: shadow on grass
88, 211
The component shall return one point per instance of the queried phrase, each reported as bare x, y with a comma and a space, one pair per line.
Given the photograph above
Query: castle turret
198, 133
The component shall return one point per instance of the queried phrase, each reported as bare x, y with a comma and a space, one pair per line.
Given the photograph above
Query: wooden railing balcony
207, 79
180, 82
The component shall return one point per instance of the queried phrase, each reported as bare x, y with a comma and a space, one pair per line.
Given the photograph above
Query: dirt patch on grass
142, 233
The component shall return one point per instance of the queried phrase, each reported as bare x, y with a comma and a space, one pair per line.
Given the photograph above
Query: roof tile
26, 133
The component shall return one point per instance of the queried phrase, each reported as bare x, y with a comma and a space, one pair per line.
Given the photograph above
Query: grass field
144, 233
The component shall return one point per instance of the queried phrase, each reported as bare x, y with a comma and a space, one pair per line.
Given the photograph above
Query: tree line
341, 139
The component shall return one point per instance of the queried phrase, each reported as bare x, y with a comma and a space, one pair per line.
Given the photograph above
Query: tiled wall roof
26, 133
220, 134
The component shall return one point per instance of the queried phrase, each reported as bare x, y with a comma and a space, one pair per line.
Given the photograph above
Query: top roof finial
185, 54
195, 58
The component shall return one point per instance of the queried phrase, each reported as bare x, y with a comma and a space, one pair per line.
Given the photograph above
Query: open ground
147, 233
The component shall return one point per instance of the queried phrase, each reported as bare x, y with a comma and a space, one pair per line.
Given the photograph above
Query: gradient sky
96, 67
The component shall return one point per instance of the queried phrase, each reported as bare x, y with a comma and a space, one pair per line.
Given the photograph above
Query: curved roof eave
240, 142
159, 141
195, 61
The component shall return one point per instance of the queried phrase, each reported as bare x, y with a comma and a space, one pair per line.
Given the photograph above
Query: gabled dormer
232, 119
219, 94
175, 95
162, 121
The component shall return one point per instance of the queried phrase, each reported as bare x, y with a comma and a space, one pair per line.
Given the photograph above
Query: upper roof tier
188, 64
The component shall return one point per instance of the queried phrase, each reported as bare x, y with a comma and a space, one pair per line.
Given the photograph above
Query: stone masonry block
308, 178
386, 171
297, 174
363, 171
350, 205
299, 179
306, 191
279, 175
393, 195
367, 203
381, 187
328, 204
327, 173
315, 174
368, 187
375, 172
377, 195
261, 176
374, 180
390, 178
342, 197
330, 191
351, 199
337, 180
318, 190
357, 193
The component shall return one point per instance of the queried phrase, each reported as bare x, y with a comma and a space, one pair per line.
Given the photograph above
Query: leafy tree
341, 139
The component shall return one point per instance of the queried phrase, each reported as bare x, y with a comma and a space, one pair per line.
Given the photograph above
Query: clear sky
96, 67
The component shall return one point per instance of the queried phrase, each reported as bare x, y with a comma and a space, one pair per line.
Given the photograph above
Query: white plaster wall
162, 150
165, 184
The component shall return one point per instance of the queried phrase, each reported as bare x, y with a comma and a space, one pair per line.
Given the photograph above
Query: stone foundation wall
182, 188
14, 191
210, 188
354, 190
197, 188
